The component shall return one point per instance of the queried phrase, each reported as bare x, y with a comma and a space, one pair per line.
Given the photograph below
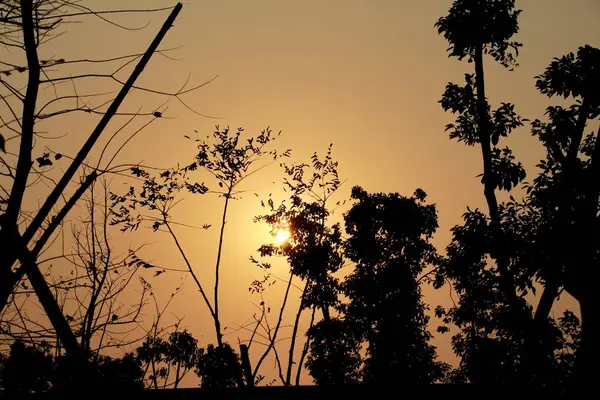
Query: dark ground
438, 392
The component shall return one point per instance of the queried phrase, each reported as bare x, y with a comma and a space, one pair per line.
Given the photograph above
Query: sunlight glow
282, 236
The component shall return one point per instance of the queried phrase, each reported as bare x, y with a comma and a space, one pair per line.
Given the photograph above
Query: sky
363, 75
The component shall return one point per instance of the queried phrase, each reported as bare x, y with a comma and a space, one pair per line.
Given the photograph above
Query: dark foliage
334, 357
34, 369
388, 239
219, 366
543, 240
27, 369
470, 23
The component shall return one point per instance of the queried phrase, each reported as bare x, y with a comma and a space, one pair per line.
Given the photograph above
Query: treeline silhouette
369, 326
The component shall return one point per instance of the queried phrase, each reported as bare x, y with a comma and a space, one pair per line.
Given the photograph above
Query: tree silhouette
314, 249
389, 242
366, 325
474, 28
334, 357
102, 373
171, 359
230, 162
229, 159
27, 368
546, 237
490, 338
27, 25
566, 192
219, 367
35, 369
93, 284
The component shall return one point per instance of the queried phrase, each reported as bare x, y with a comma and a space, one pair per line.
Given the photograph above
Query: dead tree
26, 25
88, 281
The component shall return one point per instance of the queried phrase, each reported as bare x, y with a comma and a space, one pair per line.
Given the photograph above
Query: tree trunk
218, 330
218, 267
48, 302
288, 375
522, 322
246, 368
10, 219
326, 314
307, 345
489, 183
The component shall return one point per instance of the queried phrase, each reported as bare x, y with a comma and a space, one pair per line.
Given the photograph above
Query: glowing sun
282, 235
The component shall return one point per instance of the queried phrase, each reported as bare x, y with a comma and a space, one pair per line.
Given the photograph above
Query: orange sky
365, 75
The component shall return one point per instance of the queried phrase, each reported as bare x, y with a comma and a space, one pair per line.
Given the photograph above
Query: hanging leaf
44, 160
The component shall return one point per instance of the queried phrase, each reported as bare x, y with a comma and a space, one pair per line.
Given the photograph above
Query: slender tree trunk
549, 294
326, 314
218, 330
48, 302
306, 347
489, 179
190, 269
288, 375
154, 377
167, 377
279, 369
218, 267
24, 162
530, 350
177, 375
9, 220
279, 321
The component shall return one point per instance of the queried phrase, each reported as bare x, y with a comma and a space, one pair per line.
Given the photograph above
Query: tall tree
389, 242
567, 191
474, 28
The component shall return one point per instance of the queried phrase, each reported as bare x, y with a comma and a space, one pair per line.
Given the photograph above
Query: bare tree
230, 160
88, 283
25, 26
101, 276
